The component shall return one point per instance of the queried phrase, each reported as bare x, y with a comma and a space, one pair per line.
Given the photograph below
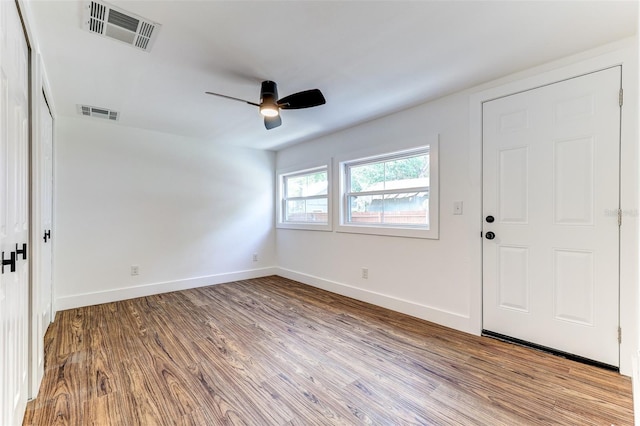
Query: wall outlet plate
457, 207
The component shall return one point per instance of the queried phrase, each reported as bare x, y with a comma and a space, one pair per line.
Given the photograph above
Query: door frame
624, 54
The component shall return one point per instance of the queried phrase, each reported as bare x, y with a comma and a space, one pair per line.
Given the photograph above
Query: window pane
294, 210
314, 211
406, 209
366, 177
366, 209
411, 208
411, 172
307, 185
295, 186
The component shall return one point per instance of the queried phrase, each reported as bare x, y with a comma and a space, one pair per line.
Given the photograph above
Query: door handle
11, 261
489, 235
22, 251
47, 235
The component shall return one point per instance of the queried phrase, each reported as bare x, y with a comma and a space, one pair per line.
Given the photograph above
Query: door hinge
620, 96
619, 217
619, 335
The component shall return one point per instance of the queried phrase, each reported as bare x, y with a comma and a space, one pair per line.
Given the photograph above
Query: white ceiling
369, 58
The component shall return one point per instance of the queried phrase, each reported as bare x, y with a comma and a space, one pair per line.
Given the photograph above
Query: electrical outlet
457, 207
135, 270
365, 273
255, 257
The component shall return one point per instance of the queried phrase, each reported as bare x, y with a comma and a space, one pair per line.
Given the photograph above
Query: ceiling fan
270, 105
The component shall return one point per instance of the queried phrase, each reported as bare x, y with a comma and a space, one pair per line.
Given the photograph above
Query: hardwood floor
273, 351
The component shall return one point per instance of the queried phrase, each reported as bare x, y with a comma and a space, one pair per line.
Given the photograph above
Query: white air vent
91, 111
110, 21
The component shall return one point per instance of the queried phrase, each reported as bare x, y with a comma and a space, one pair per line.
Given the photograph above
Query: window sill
305, 226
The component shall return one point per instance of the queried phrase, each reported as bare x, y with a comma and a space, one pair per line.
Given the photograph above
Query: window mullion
311, 197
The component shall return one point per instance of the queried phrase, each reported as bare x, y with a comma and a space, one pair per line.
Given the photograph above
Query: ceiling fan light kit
269, 99
269, 110
270, 105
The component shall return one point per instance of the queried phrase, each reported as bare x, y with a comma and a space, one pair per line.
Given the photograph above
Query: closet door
14, 215
41, 294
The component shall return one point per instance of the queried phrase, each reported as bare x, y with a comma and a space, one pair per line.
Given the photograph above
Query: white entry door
14, 215
550, 226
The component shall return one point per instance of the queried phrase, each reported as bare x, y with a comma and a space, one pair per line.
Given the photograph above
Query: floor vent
104, 113
109, 21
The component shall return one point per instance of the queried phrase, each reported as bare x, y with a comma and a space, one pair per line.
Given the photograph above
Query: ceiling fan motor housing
269, 93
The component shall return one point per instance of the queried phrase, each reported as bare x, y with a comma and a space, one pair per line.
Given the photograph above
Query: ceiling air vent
109, 21
91, 111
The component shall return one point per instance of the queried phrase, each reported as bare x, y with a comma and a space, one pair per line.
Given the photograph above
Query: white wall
187, 212
431, 279
441, 280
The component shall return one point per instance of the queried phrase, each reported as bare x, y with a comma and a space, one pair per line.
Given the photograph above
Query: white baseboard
114, 295
448, 319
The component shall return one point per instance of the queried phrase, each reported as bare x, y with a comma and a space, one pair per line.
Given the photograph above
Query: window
304, 201
391, 194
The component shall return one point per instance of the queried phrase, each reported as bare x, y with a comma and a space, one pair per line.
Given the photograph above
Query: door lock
47, 235
490, 219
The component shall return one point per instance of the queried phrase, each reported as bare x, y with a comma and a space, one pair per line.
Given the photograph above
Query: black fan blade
232, 98
305, 99
272, 122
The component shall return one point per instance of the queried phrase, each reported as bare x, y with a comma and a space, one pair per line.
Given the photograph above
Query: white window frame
282, 175
410, 231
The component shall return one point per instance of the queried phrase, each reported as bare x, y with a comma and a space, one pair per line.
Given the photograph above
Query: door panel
513, 278
513, 196
551, 180
574, 283
574, 184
